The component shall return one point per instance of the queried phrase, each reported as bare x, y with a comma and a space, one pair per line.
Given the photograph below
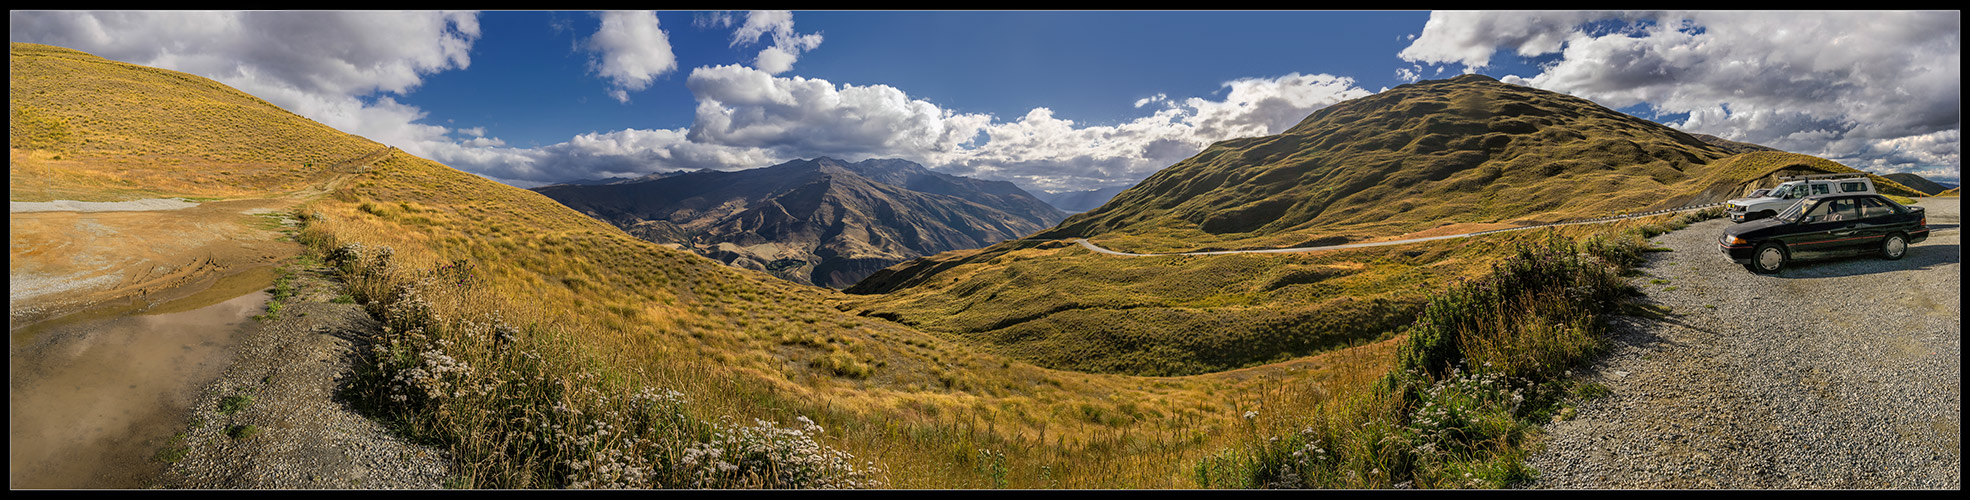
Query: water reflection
89, 403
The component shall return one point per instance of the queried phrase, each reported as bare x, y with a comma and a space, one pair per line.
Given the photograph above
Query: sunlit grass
90, 129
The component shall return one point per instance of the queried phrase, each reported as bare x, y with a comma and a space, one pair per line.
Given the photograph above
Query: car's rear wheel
1769, 258
1894, 247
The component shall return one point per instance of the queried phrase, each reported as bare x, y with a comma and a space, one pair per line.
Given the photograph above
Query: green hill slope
1468, 149
1435, 157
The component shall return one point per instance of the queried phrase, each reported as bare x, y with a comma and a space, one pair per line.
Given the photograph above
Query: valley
831, 324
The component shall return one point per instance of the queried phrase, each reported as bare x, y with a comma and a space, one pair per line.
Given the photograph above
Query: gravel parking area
1834, 374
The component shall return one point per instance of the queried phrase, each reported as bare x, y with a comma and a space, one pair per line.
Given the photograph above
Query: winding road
1098, 249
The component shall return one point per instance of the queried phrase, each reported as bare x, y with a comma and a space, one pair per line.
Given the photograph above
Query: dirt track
123, 257
63, 261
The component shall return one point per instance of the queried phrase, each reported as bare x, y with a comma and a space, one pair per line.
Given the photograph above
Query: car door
1849, 233
1812, 236
1878, 219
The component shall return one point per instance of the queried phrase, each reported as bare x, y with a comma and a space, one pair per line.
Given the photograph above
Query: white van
1766, 203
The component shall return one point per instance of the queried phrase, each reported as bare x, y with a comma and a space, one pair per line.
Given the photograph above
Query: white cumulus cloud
631, 51
748, 118
778, 24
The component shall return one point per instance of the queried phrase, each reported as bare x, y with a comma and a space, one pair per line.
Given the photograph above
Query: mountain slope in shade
1080, 201
1925, 186
1730, 145
823, 221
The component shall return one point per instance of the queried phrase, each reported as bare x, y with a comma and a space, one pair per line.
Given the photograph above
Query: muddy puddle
93, 397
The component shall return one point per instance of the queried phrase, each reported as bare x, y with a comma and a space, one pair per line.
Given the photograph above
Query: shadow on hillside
1921, 257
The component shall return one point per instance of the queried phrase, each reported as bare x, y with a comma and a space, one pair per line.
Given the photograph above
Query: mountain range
822, 221
1924, 185
1080, 201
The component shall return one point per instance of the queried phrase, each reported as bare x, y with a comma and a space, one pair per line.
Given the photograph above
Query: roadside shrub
1482, 367
523, 412
1539, 285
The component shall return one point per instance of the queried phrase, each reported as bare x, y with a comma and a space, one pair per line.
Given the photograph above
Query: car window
1820, 209
1876, 207
1820, 189
1791, 214
1842, 209
1852, 187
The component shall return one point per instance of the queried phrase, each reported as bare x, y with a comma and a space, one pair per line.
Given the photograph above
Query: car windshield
1791, 214
1759, 193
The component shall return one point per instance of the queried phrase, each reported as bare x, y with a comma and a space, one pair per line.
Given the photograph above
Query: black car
1826, 226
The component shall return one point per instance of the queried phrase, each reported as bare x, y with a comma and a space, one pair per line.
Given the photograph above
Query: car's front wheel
1769, 258
1894, 247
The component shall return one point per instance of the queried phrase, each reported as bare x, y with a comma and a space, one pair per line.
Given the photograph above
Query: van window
1852, 187
1820, 189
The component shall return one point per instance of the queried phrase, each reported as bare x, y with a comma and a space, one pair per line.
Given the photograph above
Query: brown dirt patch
63, 262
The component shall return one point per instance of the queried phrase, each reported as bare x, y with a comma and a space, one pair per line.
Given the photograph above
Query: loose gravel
1834, 374
304, 435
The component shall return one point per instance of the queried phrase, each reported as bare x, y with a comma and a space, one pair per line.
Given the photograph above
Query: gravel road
307, 437
1835, 374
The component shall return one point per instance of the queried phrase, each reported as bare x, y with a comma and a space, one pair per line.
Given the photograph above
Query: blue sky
1086, 66
1049, 100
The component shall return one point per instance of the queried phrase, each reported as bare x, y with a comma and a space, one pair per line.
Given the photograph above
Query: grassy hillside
81, 127
1440, 157
541, 346
613, 315
544, 348
1464, 150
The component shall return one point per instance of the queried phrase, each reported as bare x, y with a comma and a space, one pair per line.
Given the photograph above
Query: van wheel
1768, 259
1894, 247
